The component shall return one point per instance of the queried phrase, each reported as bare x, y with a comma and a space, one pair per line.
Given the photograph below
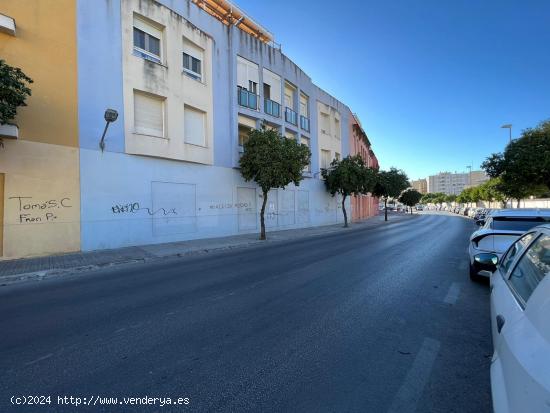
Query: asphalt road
377, 320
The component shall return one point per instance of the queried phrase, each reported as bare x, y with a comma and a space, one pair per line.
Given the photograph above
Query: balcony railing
291, 116
247, 99
304, 123
272, 108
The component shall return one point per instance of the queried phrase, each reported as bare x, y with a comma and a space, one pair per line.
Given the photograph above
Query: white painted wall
165, 201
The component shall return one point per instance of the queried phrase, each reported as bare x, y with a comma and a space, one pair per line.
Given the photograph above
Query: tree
491, 191
524, 167
14, 91
272, 161
389, 184
450, 198
410, 197
348, 177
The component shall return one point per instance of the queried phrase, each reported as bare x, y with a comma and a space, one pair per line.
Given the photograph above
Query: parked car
520, 304
501, 228
419, 207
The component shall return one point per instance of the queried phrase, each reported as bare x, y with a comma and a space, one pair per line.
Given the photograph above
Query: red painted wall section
362, 206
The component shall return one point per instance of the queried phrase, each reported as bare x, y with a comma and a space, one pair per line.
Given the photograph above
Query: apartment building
362, 206
421, 185
448, 183
188, 79
39, 164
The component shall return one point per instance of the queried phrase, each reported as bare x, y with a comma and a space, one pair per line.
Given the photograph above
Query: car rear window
517, 223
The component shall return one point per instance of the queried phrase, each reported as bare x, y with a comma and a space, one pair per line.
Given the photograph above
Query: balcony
304, 123
291, 116
272, 108
247, 99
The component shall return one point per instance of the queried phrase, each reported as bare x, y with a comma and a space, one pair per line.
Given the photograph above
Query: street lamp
110, 115
508, 126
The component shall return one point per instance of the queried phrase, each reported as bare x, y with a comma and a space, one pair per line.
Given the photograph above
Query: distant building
477, 178
421, 185
448, 183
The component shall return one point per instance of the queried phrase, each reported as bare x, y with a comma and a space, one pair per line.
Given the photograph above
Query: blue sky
432, 81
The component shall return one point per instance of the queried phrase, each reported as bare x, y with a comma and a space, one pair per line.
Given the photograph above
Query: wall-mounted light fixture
111, 115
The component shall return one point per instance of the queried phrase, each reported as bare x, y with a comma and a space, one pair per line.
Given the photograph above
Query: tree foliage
348, 176
389, 184
272, 161
14, 91
524, 167
410, 197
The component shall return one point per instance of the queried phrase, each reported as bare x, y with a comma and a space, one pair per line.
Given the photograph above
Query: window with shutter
148, 114
194, 126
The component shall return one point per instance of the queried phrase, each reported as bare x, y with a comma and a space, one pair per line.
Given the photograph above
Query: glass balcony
304, 123
272, 108
247, 99
291, 116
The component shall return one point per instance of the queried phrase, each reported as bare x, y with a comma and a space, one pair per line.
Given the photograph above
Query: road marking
408, 395
47, 356
452, 294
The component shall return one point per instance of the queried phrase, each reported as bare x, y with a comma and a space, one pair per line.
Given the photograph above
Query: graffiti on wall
134, 208
32, 210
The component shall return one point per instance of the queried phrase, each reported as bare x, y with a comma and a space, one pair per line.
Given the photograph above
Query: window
337, 156
243, 134
148, 114
194, 126
517, 223
305, 141
147, 40
267, 91
325, 159
531, 269
290, 135
337, 128
304, 105
192, 60
514, 250
325, 124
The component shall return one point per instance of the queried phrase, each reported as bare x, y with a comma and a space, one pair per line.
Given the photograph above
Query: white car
520, 307
500, 229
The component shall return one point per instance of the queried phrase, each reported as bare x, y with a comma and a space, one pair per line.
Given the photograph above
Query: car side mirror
486, 261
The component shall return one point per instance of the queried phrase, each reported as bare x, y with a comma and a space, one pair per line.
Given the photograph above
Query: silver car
501, 228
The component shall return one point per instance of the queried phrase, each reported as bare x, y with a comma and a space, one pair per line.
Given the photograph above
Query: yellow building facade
39, 168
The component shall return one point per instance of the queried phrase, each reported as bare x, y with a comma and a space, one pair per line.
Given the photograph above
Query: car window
531, 268
514, 250
517, 223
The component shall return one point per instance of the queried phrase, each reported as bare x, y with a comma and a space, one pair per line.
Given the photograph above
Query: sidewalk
41, 267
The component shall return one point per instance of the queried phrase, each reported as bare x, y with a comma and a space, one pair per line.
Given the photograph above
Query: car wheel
474, 276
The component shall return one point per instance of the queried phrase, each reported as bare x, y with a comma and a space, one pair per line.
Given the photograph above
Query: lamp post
110, 115
509, 127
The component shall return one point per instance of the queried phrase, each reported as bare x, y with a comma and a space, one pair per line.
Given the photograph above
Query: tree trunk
411, 210
262, 220
385, 209
344, 211
519, 203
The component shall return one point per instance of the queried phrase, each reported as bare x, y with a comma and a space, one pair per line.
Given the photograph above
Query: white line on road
452, 294
408, 395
